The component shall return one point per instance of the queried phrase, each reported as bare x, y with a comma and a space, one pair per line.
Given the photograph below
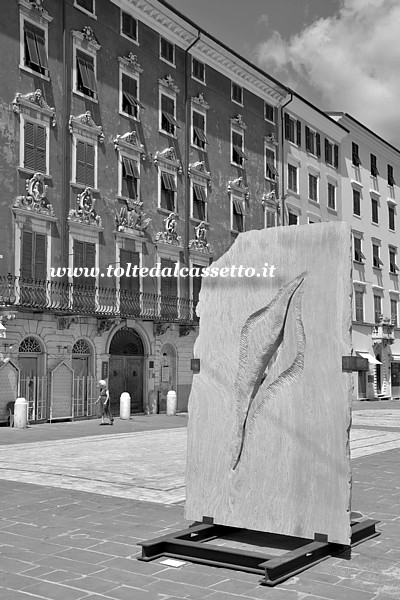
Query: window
237, 154
374, 168
393, 268
129, 26
35, 147
355, 159
168, 120
169, 285
199, 202
128, 283
168, 190
196, 282
269, 112
392, 225
331, 154
237, 222
167, 51
33, 256
292, 130
393, 311
237, 93
198, 70
376, 261
130, 178
86, 5
292, 178
377, 308
86, 79
359, 302
313, 187
293, 218
358, 255
85, 256
356, 202
390, 177
374, 210
332, 196
130, 102
313, 142
199, 130
85, 159
270, 164
270, 217
35, 48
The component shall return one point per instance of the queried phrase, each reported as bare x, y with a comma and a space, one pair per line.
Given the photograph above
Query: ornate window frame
84, 10
199, 176
85, 42
167, 87
239, 127
129, 66
83, 128
128, 146
173, 63
132, 40
122, 239
199, 105
270, 147
35, 14
32, 108
237, 192
271, 209
202, 81
166, 161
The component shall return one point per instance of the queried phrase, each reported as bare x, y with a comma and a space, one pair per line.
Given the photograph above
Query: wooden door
126, 375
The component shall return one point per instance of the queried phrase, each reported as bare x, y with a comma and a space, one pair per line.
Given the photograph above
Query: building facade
130, 139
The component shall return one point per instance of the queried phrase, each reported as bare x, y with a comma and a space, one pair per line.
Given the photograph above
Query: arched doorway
84, 387
32, 382
126, 369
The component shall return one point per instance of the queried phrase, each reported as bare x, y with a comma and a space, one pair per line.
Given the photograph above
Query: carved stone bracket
105, 325
199, 242
34, 8
129, 141
199, 100
168, 82
238, 121
198, 169
66, 322
131, 217
272, 139
84, 212
184, 330
160, 328
169, 235
34, 100
238, 185
130, 62
168, 156
35, 199
269, 199
87, 36
85, 122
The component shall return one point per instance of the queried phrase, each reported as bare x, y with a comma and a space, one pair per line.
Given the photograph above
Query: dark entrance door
126, 369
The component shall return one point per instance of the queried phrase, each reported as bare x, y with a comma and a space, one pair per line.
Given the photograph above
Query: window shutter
29, 145
40, 162
26, 255
169, 285
318, 144
40, 265
336, 155
90, 262
307, 139
41, 46
287, 127
129, 283
326, 151
90, 165
197, 283
83, 70
80, 162
298, 127
33, 56
91, 76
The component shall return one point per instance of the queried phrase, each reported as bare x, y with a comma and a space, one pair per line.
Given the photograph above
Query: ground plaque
269, 411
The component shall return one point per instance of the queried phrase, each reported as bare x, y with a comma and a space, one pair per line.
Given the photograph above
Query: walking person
104, 398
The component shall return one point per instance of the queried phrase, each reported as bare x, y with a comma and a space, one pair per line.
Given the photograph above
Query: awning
371, 359
395, 357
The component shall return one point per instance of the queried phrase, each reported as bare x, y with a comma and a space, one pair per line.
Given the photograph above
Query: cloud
348, 62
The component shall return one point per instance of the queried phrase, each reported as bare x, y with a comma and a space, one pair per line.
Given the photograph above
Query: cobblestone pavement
61, 543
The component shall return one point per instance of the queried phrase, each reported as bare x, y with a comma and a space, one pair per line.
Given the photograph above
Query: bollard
171, 403
125, 406
20, 413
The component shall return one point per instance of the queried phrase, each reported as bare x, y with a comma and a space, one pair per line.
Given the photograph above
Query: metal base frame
190, 544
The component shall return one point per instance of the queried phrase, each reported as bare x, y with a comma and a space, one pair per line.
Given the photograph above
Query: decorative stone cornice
86, 37
66, 322
84, 212
238, 186
169, 84
35, 10
269, 199
199, 243
131, 218
35, 199
238, 122
85, 125
272, 139
168, 157
129, 141
105, 325
169, 235
199, 101
197, 169
33, 101
130, 62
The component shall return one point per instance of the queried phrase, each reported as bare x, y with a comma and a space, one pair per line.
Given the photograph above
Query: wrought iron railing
68, 298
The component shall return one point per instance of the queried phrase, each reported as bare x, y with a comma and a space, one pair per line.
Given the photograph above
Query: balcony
383, 331
69, 299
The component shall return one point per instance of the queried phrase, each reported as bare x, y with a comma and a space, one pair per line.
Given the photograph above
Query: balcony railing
67, 298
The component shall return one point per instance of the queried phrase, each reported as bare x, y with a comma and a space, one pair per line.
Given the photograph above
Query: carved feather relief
261, 337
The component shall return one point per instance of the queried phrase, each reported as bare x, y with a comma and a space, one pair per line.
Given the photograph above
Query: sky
342, 55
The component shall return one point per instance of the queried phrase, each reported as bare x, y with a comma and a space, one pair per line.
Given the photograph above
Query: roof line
331, 112
322, 112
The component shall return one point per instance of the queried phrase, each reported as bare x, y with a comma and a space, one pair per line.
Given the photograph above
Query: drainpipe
187, 150
283, 159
